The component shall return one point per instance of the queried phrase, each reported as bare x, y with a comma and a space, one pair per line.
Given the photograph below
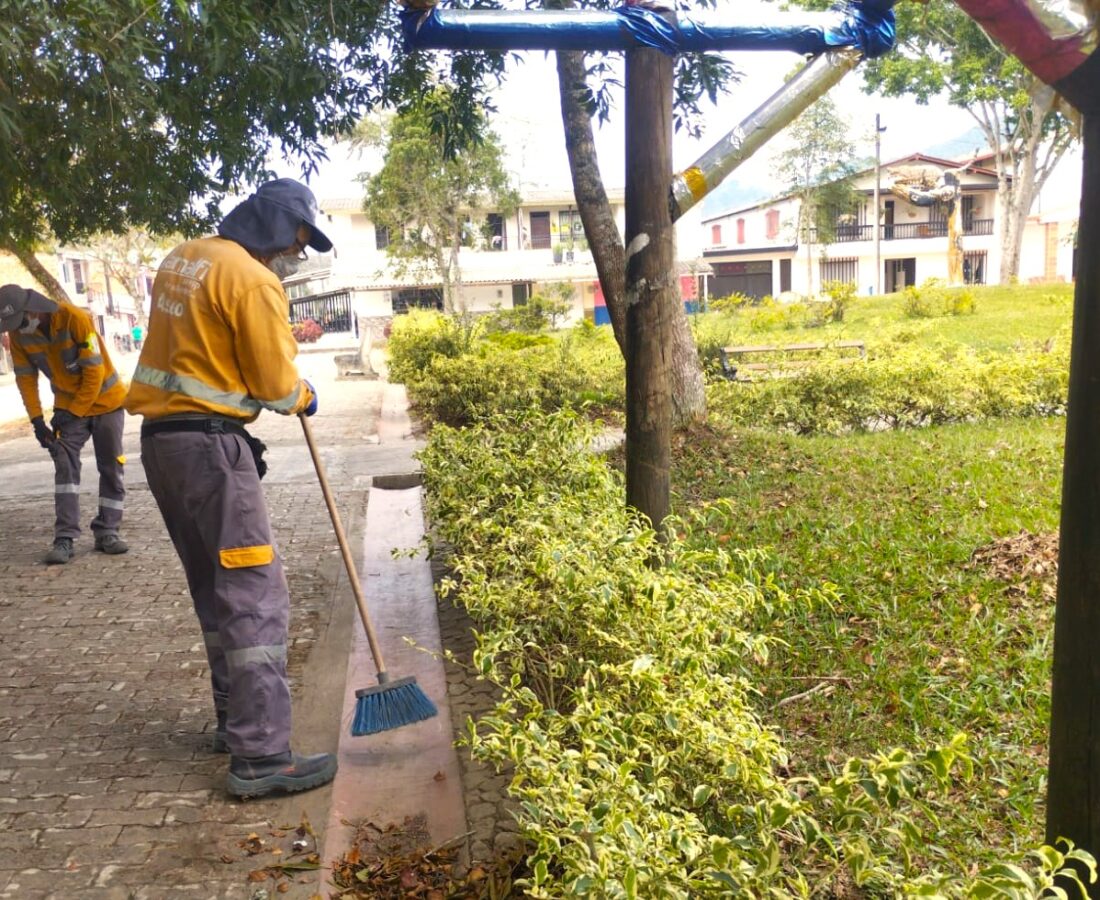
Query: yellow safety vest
219, 339
73, 359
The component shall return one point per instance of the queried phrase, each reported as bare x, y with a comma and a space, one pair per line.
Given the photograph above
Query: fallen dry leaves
398, 862
1019, 560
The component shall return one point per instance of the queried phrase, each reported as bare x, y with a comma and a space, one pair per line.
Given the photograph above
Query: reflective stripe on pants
209, 494
106, 434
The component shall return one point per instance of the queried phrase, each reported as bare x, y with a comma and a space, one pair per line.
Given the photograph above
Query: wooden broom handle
349, 564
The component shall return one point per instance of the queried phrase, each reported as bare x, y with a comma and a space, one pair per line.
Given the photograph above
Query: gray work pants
106, 434
209, 494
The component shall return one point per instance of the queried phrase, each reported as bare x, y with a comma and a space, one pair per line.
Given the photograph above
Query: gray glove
42, 432
61, 418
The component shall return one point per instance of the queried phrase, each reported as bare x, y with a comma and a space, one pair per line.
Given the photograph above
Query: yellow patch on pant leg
244, 557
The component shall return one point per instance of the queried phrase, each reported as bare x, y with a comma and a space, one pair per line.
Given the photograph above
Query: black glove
61, 418
42, 432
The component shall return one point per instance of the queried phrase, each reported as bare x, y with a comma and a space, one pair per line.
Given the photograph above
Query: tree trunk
689, 402
595, 209
1020, 175
30, 262
1073, 784
652, 288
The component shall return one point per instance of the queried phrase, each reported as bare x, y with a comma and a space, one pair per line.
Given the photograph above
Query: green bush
934, 298
640, 766
459, 374
420, 336
542, 311
464, 389
902, 386
842, 295
734, 302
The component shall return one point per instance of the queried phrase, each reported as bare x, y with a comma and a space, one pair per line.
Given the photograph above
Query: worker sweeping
218, 351
59, 341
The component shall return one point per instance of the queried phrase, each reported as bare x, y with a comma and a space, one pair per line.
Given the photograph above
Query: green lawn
922, 644
1005, 318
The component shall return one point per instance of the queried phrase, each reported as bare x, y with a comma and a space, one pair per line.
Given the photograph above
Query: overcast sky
529, 122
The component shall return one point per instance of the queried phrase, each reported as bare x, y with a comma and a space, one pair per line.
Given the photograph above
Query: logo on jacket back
7, 310
172, 307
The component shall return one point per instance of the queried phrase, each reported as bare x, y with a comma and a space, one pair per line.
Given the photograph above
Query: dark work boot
61, 552
111, 544
221, 737
284, 772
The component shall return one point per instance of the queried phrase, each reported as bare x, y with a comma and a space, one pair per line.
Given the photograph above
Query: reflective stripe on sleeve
272, 653
90, 361
192, 387
26, 370
287, 403
108, 503
109, 382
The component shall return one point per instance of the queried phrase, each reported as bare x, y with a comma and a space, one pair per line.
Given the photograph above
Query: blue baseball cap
267, 222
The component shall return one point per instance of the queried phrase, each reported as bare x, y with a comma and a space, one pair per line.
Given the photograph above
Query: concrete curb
413, 770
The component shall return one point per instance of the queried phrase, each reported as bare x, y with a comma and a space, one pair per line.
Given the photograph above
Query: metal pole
878, 206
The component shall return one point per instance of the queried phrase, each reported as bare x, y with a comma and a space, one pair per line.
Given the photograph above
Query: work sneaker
221, 736
111, 544
61, 552
285, 772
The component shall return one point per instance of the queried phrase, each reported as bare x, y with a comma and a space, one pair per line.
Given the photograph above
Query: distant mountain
960, 147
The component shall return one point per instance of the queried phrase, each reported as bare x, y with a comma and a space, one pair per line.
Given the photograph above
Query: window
771, 224
716, 234
570, 226
496, 236
381, 237
740, 231
73, 270
974, 267
843, 270
417, 298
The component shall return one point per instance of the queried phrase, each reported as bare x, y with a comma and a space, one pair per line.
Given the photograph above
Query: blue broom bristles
390, 705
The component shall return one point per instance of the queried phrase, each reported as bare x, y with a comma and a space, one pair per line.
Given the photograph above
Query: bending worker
59, 341
218, 351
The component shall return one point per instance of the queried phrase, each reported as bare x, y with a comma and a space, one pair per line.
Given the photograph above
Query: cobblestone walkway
108, 787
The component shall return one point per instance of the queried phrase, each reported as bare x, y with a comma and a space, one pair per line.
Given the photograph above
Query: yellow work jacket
73, 359
219, 339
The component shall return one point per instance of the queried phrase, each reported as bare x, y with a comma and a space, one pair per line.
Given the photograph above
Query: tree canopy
119, 113
431, 198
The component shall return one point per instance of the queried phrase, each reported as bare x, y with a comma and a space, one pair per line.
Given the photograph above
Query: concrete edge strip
412, 770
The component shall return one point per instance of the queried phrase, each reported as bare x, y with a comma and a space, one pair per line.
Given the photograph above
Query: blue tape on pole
866, 25
869, 26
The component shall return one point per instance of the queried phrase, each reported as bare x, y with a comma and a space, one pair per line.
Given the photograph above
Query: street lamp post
878, 205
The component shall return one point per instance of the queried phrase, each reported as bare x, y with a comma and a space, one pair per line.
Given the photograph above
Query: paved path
107, 785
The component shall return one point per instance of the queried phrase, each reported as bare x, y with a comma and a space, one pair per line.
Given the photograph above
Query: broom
390, 704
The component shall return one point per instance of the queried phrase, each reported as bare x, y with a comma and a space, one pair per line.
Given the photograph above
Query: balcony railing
906, 231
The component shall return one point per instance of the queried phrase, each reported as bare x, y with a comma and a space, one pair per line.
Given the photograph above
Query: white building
541, 243
757, 251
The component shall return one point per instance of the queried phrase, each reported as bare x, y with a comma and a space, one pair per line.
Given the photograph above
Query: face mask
284, 266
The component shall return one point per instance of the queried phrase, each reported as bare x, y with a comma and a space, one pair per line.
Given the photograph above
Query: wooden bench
782, 360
